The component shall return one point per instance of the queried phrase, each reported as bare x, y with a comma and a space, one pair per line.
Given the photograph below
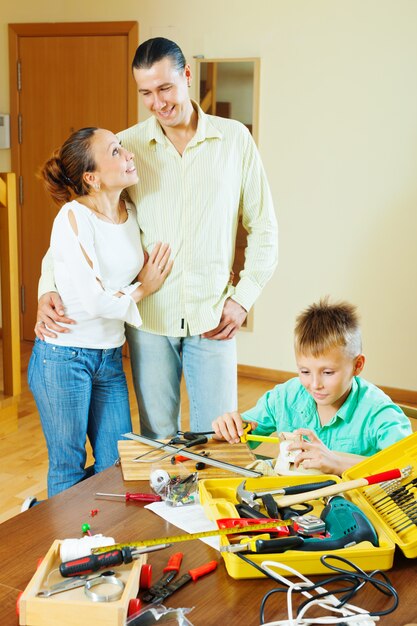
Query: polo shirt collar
348, 407
205, 128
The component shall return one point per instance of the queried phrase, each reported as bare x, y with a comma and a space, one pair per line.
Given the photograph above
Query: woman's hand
154, 272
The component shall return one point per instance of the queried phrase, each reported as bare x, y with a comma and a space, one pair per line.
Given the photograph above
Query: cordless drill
346, 525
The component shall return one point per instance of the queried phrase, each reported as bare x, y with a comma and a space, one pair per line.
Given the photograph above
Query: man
197, 175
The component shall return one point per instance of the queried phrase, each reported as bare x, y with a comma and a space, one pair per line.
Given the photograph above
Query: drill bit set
397, 505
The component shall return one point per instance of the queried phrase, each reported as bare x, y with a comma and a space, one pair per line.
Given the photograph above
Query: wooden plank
237, 454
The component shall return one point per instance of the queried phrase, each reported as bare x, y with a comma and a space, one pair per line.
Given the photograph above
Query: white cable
349, 613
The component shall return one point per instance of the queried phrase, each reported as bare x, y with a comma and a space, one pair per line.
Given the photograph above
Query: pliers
164, 587
170, 571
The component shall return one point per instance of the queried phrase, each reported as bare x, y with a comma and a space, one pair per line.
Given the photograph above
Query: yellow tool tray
218, 497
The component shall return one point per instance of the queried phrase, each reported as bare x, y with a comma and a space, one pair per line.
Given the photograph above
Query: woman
77, 379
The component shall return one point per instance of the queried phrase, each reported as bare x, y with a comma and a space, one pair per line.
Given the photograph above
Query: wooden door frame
63, 29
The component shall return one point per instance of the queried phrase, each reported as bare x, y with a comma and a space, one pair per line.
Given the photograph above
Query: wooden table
28, 536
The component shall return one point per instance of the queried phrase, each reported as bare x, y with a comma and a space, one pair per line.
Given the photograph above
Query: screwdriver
134, 497
94, 562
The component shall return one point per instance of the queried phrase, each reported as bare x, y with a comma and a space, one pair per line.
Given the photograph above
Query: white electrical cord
349, 613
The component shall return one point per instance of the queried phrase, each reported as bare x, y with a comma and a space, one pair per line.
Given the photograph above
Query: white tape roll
159, 479
76, 548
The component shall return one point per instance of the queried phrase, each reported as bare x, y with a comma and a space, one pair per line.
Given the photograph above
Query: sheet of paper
190, 518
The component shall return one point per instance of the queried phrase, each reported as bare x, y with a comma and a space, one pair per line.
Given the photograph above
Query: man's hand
315, 455
50, 311
230, 427
232, 318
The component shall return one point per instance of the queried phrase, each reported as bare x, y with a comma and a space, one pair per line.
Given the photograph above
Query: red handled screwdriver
134, 497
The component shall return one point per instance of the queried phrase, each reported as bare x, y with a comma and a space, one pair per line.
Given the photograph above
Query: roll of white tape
159, 479
76, 548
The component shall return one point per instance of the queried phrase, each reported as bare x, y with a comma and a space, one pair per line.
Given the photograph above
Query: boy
341, 417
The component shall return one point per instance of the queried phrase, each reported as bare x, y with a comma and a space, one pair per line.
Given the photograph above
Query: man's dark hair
154, 50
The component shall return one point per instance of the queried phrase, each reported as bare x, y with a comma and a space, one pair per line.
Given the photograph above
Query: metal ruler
208, 460
191, 536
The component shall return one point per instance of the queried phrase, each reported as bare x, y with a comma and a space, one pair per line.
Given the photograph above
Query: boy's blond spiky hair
324, 326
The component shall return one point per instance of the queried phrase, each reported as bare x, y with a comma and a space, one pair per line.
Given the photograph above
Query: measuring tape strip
191, 536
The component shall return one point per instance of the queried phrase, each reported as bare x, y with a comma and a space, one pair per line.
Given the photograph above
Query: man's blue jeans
79, 392
210, 371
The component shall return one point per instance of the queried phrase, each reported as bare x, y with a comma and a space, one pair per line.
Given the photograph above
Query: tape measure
192, 536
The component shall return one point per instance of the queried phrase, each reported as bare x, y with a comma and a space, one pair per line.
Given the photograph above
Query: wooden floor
23, 454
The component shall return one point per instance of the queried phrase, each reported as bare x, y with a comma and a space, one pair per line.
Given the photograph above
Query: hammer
250, 497
318, 491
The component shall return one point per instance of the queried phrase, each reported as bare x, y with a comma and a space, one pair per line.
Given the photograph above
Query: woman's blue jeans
79, 392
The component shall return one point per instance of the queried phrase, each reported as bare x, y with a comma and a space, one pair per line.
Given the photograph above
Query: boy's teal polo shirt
367, 422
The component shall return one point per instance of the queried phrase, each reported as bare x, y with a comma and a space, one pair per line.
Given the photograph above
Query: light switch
4, 130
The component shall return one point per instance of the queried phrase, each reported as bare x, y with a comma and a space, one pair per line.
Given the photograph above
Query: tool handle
383, 476
91, 563
289, 491
278, 545
261, 438
142, 497
202, 570
338, 488
190, 435
198, 441
174, 562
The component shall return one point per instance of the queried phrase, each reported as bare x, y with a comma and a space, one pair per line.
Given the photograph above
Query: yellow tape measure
191, 536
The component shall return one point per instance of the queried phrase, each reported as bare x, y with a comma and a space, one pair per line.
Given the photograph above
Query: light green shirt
367, 422
193, 202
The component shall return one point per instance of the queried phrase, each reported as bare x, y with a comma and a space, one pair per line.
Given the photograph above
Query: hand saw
208, 460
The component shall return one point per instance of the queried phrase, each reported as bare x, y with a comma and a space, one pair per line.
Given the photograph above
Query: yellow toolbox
382, 508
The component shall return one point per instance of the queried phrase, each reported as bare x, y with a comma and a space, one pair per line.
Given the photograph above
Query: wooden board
238, 454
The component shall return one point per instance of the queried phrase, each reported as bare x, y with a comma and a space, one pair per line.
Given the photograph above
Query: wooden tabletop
28, 536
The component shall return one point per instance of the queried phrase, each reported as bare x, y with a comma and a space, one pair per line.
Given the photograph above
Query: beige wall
338, 136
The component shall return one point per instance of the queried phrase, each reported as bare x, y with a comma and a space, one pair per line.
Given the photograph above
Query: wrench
73, 583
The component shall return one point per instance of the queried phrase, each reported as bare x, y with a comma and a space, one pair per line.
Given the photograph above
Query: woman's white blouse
89, 268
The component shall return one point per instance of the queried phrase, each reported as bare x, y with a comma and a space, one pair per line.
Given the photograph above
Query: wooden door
68, 76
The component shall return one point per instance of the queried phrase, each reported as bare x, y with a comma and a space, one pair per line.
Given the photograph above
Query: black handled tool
265, 546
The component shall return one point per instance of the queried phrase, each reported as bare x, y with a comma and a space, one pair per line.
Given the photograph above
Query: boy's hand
50, 311
315, 455
230, 427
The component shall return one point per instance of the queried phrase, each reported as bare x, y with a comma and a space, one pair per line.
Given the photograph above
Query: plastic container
218, 497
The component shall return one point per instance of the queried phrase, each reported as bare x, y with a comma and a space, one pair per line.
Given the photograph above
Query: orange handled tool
193, 574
